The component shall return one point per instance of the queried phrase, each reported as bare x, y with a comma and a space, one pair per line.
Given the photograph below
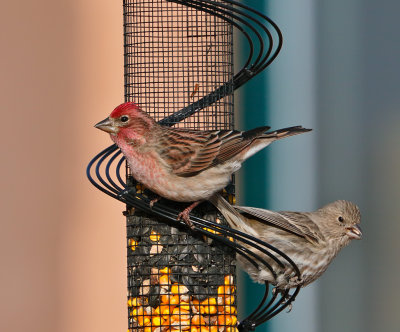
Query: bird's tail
233, 217
286, 132
261, 141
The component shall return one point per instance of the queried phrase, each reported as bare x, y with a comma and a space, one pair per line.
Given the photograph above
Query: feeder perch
179, 69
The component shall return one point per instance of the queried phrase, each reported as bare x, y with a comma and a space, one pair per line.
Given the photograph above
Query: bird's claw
154, 201
184, 216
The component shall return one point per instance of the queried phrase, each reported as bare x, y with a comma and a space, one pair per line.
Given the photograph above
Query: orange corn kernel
179, 289
185, 306
132, 244
209, 301
164, 280
203, 329
143, 320
134, 302
165, 270
198, 320
224, 290
231, 329
137, 311
180, 315
210, 310
227, 320
229, 299
157, 321
170, 299
154, 236
213, 328
228, 280
230, 309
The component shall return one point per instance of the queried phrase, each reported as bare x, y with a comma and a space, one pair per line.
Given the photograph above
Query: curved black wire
237, 17
227, 10
117, 189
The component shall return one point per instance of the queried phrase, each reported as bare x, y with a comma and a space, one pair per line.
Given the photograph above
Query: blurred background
63, 242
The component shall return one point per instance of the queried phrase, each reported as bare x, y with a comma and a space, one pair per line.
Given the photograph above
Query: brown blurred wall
62, 242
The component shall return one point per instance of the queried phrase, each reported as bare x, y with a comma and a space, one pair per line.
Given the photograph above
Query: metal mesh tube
174, 56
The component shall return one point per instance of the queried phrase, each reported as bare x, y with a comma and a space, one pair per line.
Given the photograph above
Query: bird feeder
178, 60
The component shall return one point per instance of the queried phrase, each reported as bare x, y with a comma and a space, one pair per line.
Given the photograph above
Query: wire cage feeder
179, 69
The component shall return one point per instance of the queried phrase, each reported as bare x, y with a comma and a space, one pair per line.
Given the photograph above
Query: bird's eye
124, 118
340, 219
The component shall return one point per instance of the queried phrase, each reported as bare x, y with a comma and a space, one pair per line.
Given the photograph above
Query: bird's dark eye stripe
124, 118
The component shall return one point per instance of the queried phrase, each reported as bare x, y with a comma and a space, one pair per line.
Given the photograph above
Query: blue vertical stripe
253, 112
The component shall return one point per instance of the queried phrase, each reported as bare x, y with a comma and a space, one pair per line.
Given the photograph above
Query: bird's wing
284, 220
189, 152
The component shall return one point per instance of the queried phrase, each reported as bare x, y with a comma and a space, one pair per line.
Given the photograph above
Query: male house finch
181, 164
310, 239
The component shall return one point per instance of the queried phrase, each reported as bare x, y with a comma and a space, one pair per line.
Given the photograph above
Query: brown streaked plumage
181, 164
311, 239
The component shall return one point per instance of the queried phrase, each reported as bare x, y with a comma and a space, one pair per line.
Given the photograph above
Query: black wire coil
106, 165
107, 177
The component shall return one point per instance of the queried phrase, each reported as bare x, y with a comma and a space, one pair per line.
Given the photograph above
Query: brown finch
310, 239
181, 164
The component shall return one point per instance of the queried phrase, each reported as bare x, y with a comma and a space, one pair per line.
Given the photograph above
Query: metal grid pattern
178, 281
174, 56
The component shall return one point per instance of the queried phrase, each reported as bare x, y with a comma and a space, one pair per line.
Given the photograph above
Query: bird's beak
107, 126
354, 232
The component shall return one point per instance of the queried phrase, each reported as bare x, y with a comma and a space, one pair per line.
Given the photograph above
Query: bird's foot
184, 215
154, 201
286, 297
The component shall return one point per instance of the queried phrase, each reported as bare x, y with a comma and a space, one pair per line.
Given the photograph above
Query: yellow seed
165, 270
203, 329
198, 320
166, 321
223, 320
229, 299
166, 298
227, 320
213, 231
164, 309
137, 311
234, 320
209, 301
147, 329
157, 311
224, 290
134, 302
213, 328
185, 305
164, 279
192, 329
157, 321
231, 329
132, 244
155, 237
228, 280
230, 309
139, 188
143, 320
179, 312
210, 310
179, 289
